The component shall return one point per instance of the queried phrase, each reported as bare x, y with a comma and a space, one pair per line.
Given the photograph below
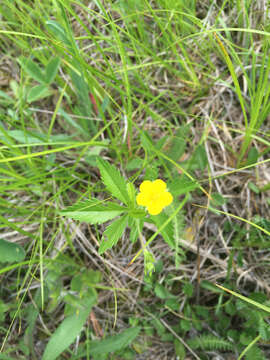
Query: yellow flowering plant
132, 211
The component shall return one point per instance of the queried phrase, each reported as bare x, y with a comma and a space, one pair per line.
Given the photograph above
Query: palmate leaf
93, 211
113, 233
113, 180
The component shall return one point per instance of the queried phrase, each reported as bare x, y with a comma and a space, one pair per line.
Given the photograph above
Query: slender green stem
162, 226
249, 347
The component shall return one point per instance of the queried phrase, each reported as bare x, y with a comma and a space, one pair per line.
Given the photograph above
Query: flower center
154, 197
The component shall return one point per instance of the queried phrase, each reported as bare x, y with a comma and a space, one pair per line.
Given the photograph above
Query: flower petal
142, 199
165, 198
159, 185
146, 185
154, 209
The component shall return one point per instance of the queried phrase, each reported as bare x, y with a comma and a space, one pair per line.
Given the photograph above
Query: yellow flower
154, 195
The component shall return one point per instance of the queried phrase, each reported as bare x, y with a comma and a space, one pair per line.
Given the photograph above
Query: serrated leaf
131, 192
113, 233
113, 180
11, 252
210, 342
38, 92
93, 211
183, 185
32, 69
114, 343
51, 69
67, 331
263, 329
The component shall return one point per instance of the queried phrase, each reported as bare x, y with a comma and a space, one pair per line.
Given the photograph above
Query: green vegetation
95, 98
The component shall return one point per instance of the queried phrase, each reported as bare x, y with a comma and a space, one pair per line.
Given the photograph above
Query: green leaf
263, 327
188, 289
32, 69
23, 136
162, 292
209, 286
178, 144
253, 187
38, 92
51, 69
199, 158
67, 331
167, 232
209, 342
146, 141
131, 193
254, 353
113, 180
58, 31
158, 326
151, 171
70, 121
179, 350
93, 211
133, 164
82, 91
217, 199
181, 186
113, 233
11, 252
253, 156
6, 97
6, 357
114, 343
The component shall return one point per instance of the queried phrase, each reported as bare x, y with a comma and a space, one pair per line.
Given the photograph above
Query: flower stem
161, 228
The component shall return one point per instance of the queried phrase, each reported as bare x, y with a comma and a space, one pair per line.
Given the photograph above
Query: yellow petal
165, 198
154, 209
159, 185
142, 199
146, 185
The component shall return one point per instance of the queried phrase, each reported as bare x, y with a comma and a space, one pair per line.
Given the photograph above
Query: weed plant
98, 100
